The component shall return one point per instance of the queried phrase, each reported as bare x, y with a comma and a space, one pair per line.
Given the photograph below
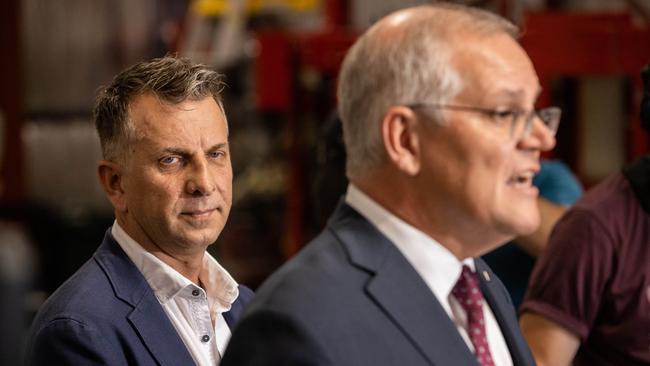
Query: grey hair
412, 65
171, 79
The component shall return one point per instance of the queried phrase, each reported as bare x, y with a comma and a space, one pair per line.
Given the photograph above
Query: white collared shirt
437, 266
189, 308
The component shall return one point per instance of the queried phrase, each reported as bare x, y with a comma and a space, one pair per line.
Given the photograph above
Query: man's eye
169, 160
505, 114
216, 154
505, 117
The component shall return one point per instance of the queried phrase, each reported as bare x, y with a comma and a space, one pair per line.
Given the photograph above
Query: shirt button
195, 292
205, 338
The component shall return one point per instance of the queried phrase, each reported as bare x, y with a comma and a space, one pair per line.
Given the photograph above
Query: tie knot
467, 291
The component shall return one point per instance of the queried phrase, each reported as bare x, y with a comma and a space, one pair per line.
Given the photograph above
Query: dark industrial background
281, 59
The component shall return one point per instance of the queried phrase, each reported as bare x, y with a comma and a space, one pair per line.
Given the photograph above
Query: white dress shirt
195, 313
437, 266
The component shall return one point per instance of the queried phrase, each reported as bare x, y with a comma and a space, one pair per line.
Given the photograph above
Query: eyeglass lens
521, 127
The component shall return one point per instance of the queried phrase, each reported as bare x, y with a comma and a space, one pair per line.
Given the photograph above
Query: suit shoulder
321, 272
270, 338
86, 297
71, 340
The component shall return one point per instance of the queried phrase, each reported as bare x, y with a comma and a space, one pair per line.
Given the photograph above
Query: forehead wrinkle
487, 69
516, 95
219, 145
179, 107
176, 133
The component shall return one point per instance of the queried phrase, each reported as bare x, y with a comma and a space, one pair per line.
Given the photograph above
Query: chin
199, 238
526, 227
519, 223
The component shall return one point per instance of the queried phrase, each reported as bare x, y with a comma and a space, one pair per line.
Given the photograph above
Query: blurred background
281, 59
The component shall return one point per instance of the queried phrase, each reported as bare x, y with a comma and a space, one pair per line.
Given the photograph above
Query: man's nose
200, 180
539, 138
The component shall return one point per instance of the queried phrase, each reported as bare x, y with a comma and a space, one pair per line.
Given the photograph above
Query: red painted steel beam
591, 44
11, 102
585, 44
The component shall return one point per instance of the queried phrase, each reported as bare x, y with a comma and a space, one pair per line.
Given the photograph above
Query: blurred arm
550, 343
550, 213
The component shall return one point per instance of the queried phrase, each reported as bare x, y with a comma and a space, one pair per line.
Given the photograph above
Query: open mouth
522, 179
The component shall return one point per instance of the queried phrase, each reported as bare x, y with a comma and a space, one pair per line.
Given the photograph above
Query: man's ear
401, 139
110, 178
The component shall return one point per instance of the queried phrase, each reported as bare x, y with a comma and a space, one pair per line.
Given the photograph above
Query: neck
421, 209
188, 266
187, 263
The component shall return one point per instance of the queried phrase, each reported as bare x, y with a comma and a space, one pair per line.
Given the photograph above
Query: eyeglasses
520, 122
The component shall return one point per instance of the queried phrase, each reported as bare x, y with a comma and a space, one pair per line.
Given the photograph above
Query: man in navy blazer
151, 294
442, 140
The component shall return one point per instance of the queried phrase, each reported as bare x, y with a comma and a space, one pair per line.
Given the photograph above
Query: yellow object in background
220, 7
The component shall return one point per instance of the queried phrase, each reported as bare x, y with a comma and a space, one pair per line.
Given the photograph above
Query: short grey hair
413, 65
171, 79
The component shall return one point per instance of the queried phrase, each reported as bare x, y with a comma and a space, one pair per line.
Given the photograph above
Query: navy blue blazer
106, 314
351, 298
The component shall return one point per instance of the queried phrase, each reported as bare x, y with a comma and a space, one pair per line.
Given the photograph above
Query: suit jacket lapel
399, 291
158, 334
147, 318
503, 311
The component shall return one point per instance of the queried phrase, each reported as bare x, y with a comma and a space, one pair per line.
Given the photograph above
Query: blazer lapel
147, 318
504, 312
158, 334
400, 292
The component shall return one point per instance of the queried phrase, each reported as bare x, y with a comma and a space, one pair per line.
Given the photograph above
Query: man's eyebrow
184, 152
174, 151
218, 146
517, 93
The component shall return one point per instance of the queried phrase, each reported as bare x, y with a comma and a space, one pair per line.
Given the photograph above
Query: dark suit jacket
106, 314
351, 298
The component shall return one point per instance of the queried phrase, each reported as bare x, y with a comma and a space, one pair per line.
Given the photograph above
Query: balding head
405, 57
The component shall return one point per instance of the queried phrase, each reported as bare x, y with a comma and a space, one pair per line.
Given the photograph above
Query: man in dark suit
151, 294
443, 140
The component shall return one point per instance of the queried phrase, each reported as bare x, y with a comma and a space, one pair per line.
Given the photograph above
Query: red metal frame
560, 44
11, 102
591, 44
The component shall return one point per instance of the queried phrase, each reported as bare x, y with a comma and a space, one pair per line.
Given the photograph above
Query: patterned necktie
469, 295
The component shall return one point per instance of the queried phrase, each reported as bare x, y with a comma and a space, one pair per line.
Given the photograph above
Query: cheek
163, 193
486, 172
496, 162
224, 181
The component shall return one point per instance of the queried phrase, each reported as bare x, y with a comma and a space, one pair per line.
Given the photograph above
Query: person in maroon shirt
589, 297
